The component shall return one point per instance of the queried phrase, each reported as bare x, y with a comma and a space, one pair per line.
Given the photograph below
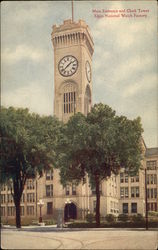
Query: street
53, 238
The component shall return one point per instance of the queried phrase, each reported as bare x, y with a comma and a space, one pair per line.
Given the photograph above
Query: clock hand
68, 64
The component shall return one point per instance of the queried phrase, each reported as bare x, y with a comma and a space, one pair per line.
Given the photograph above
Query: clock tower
73, 50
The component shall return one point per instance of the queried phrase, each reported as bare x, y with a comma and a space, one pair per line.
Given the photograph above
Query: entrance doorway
70, 211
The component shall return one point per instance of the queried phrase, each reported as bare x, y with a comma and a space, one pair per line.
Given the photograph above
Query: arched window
87, 100
69, 98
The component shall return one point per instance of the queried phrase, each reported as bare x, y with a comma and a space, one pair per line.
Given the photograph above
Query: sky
124, 71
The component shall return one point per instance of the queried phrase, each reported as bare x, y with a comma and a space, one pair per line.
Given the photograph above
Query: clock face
68, 65
88, 71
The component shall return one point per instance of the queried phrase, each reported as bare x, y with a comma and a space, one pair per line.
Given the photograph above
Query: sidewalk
49, 228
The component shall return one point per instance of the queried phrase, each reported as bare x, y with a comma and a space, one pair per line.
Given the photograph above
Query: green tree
27, 148
99, 144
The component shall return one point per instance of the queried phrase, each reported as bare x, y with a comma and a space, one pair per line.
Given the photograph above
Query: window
137, 191
147, 178
134, 191
121, 178
49, 190
49, 175
22, 210
94, 190
126, 178
2, 211
30, 197
125, 208
155, 193
11, 211
3, 187
124, 192
137, 178
23, 198
49, 208
148, 193
73, 189
30, 184
10, 186
94, 206
69, 98
151, 165
30, 210
133, 207
10, 198
67, 189
151, 193
2, 198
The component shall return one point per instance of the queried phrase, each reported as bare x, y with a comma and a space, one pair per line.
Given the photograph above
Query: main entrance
70, 211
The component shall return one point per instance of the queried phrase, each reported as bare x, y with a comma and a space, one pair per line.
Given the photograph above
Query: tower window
69, 102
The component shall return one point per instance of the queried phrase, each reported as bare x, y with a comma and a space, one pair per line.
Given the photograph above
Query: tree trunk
18, 217
97, 183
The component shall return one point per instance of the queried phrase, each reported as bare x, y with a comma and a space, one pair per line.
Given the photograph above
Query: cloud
147, 83
35, 97
23, 52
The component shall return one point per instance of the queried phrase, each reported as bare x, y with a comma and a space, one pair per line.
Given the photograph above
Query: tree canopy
27, 148
99, 144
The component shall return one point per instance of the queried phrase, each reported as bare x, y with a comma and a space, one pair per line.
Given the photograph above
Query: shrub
123, 217
110, 218
90, 218
153, 213
137, 218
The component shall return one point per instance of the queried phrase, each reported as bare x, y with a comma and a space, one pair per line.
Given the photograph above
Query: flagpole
72, 10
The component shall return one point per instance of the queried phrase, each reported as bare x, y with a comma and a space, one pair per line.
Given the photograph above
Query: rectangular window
10, 198
73, 189
133, 207
132, 192
125, 208
148, 193
30, 184
49, 175
49, 207
151, 165
151, 192
49, 190
11, 211
155, 193
126, 178
121, 178
22, 210
94, 206
132, 179
2, 198
30, 210
135, 192
30, 197
69, 102
137, 178
155, 179
2, 211
122, 192
23, 198
147, 178
3, 187
126, 192
67, 189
